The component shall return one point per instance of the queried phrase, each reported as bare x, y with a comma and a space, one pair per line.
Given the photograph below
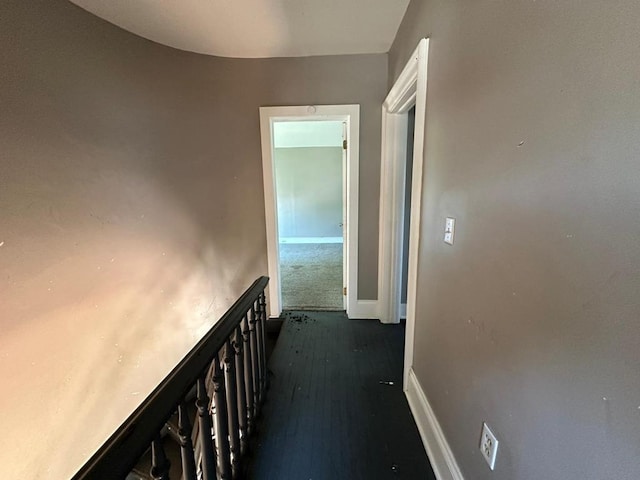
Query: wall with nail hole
530, 321
131, 213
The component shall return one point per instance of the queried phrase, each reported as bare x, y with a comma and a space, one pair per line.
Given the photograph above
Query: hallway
331, 412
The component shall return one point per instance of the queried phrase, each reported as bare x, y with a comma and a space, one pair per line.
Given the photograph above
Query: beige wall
531, 320
131, 213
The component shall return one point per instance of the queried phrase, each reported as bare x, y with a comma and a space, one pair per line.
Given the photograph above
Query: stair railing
225, 374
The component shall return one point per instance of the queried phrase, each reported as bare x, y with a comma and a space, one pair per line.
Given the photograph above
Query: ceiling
259, 28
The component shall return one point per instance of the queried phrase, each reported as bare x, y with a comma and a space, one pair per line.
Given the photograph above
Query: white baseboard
443, 462
311, 240
364, 309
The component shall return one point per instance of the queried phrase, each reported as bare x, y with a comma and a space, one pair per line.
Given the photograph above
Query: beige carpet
311, 276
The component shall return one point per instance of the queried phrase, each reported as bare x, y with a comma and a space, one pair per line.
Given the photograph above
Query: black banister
223, 343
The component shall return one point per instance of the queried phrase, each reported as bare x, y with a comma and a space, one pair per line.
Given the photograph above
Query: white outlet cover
488, 446
449, 230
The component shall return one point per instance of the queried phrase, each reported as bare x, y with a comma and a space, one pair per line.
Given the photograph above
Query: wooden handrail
247, 316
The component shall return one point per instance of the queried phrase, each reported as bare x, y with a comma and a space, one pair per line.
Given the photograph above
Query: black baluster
186, 445
232, 406
262, 354
240, 390
248, 373
255, 361
205, 432
222, 421
159, 462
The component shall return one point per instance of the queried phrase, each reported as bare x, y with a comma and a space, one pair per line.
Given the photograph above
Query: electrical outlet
449, 230
488, 446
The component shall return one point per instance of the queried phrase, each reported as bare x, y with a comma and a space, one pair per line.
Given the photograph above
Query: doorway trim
344, 113
409, 89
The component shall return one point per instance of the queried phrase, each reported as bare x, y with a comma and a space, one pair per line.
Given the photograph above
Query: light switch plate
449, 230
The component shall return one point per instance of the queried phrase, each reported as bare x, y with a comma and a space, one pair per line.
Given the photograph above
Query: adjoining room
309, 164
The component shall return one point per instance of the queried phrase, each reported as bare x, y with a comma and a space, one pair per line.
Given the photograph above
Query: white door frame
410, 89
344, 113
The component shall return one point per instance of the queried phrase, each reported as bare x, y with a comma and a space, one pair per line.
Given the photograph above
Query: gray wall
131, 212
530, 321
309, 191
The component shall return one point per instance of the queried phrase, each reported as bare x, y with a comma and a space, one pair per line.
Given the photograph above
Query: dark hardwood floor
330, 411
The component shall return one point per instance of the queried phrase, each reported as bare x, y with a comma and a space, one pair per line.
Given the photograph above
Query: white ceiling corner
259, 28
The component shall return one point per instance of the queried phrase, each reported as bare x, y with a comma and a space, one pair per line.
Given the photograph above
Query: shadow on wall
132, 210
124, 238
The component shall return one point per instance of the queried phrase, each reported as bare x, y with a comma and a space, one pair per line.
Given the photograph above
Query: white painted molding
404, 94
410, 89
349, 114
364, 310
311, 240
416, 202
392, 184
435, 443
271, 219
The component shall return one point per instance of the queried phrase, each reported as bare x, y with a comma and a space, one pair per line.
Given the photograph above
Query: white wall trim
392, 176
311, 240
410, 89
365, 310
345, 113
401, 98
435, 443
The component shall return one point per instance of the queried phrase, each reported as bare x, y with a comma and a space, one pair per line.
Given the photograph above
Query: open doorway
401, 197
296, 229
308, 158
406, 214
